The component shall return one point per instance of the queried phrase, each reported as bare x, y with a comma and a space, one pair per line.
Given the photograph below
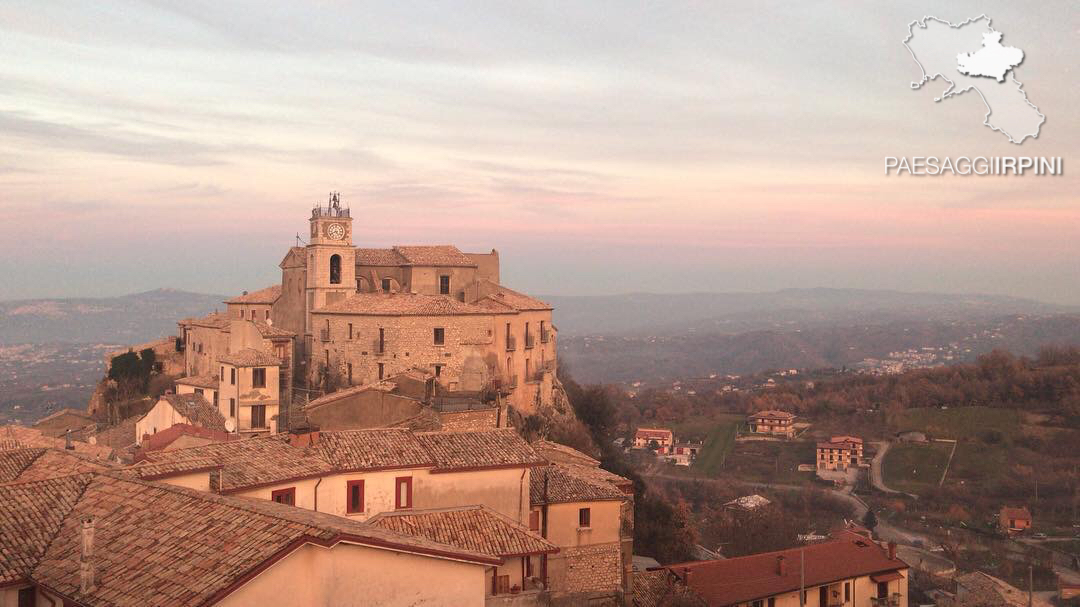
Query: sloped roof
512, 299
250, 357
434, 255
653, 589
1016, 513
474, 528
377, 448
558, 453
564, 483
379, 257
772, 414
985, 590
248, 463
270, 331
748, 578
214, 320
38, 463
499, 448
30, 516
157, 544
401, 304
267, 295
17, 436
200, 381
197, 410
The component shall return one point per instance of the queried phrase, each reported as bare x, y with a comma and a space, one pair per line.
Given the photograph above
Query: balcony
892, 600
530, 341
545, 335
511, 343
324, 334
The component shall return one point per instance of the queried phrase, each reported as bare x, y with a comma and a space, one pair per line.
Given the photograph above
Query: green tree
869, 520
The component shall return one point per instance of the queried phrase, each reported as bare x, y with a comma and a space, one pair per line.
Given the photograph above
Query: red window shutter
534, 520
284, 496
403, 492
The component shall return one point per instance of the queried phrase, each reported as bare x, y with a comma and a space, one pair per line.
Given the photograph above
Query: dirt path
876, 477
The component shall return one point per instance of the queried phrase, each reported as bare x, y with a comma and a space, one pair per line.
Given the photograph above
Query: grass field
718, 444
913, 467
961, 422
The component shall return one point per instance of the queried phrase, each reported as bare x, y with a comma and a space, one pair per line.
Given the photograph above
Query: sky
601, 147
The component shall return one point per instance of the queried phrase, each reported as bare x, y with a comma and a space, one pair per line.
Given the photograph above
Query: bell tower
331, 258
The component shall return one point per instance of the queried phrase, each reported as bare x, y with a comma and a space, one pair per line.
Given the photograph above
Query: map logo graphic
970, 56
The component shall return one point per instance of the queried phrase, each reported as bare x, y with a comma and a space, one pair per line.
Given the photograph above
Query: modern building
660, 439
1014, 520
840, 453
779, 423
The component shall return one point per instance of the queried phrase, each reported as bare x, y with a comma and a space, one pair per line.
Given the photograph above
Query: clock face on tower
335, 231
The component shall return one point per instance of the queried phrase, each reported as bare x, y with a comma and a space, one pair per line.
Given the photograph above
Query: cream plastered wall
214, 343
863, 590
194, 480
160, 417
348, 575
562, 525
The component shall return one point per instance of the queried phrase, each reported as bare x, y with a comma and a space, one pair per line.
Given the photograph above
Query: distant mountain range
128, 319
645, 314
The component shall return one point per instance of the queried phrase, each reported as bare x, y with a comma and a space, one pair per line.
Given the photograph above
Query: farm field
915, 467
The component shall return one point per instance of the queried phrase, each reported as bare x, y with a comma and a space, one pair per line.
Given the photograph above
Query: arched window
335, 269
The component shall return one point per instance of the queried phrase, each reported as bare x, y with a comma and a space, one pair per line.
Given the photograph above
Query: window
444, 285
382, 371
584, 518
267, 317
258, 416
847, 592
386, 285
222, 375
772, 601
403, 492
27, 597
440, 336
232, 376
349, 367
438, 370
355, 492
258, 377
534, 520
528, 566
199, 391
500, 584
241, 314
761, 603
882, 590
382, 340
284, 496
335, 269
253, 315
232, 407
350, 330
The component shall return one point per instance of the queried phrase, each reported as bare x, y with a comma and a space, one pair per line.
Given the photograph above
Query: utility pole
1031, 586
802, 577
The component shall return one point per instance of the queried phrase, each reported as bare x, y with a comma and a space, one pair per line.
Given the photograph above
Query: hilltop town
387, 415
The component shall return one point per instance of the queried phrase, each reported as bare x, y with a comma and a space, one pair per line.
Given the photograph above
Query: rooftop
15, 436
401, 304
38, 463
165, 545
423, 255
197, 410
557, 453
1013, 512
263, 296
200, 381
373, 449
498, 448
773, 414
250, 357
758, 576
508, 298
564, 483
474, 528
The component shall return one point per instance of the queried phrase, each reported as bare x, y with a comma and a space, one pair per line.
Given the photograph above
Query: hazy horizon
602, 148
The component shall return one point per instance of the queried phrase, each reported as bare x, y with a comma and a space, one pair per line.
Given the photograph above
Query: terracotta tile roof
30, 516
563, 483
434, 255
556, 453
380, 448
653, 589
401, 304
773, 414
250, 357
263, 296
150, 470
200, 381
38, 463
120, 437
163, 438
31, 437
846, 439
270, 331
474, 419
248, 463
474, 528
653, 433
156, 544
978, 588
748, 578
386, 385
379, 257
845, 446
197, 410
514, 300
214, 320
498, 448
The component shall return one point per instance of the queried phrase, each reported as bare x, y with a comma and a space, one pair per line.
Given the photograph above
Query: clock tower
331, 258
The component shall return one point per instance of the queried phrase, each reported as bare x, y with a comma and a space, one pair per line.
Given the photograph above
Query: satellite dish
230, 425
92, 440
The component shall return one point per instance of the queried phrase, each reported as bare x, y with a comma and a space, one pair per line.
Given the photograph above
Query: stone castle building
345, 316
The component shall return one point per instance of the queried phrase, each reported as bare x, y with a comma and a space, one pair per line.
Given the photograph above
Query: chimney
892, 551
686, 576
780, 568
86, 566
